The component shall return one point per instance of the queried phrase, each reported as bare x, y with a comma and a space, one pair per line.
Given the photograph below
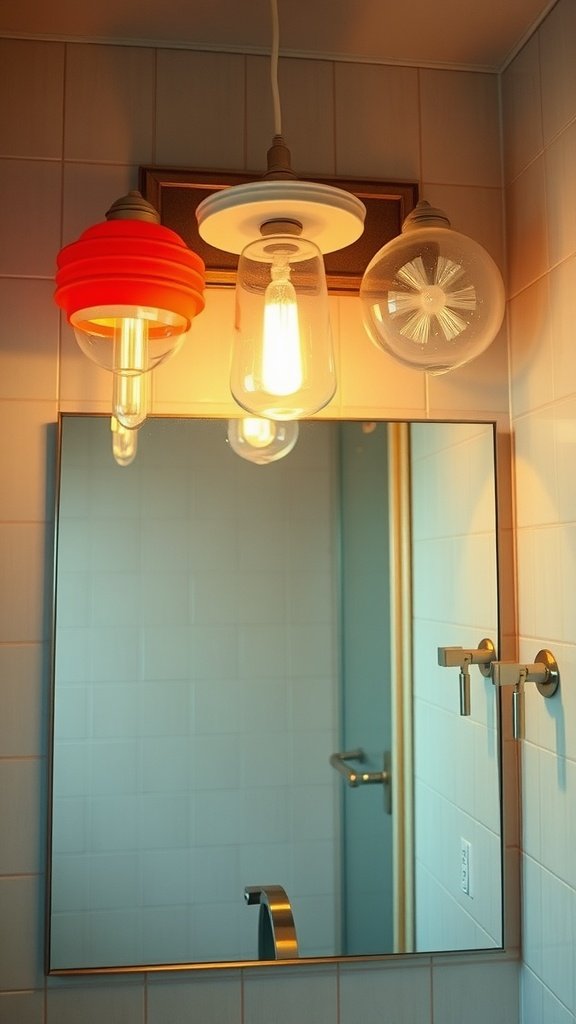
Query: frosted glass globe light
432, 298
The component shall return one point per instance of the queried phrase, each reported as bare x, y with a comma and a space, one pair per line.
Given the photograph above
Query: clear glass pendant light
432, 298
282, 362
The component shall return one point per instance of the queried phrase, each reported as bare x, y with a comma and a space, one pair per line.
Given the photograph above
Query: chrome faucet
276, 929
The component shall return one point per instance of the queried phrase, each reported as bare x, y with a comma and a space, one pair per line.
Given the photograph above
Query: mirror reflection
247, 695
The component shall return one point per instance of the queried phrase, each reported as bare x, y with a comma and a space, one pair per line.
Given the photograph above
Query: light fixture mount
232, 217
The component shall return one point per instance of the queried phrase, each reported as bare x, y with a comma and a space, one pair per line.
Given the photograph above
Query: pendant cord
274, 68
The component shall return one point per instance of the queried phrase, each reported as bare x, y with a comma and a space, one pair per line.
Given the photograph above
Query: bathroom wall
456, 759
76, 120
539, 93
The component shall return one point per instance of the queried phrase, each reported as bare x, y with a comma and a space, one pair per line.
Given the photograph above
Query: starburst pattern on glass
431, 302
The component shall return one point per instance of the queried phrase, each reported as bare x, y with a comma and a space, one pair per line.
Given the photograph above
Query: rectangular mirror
236, 647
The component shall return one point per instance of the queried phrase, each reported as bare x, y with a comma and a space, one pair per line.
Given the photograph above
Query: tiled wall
75, 122
456, 779
540, 165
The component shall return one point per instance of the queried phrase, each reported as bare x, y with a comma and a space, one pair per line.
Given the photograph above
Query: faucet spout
276, 929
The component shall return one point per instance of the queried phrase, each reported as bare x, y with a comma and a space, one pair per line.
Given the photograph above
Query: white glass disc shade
231, 217
260, 440
432, 298
282, 359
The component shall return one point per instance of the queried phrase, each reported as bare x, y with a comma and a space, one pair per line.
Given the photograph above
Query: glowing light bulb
282, 361
129, 363
282, 372
261, 440
124, 443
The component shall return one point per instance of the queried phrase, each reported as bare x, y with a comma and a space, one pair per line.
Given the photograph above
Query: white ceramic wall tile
405, 993
474, 211
22, 1007
531, 992
480, 384
557, 36
565, 441
111, 89
22, 726
31, 74
307, 111
377, 122
532, 819
531, 355
553, 1011
23, 549
20, 803
273, 996
369, 378
460, 130
200, 113
475, 992
526, 227
34, 187
522, 109
536, 478
557, 926
89, 191
560, 324
29, 425
66, 1002
211, 1000
199, 374
21, 946
560, 160
557, 782
30, 322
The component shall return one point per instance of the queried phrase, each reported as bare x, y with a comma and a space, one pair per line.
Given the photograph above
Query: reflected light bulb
257, 432
124, 443
281, 352
261, 440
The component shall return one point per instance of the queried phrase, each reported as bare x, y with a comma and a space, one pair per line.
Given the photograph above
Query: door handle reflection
357, 777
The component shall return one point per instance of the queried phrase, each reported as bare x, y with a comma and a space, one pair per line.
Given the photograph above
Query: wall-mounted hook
544, 672
462, 658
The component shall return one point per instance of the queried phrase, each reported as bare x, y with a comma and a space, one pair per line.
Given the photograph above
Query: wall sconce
432, 298
130, 288
282, 361
261, 440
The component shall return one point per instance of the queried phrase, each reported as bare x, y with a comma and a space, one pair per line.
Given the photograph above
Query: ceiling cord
274, 68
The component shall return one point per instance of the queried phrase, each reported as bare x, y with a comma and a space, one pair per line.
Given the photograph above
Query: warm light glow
130, 360
257, 432
124, 443
281, 352
260, 440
